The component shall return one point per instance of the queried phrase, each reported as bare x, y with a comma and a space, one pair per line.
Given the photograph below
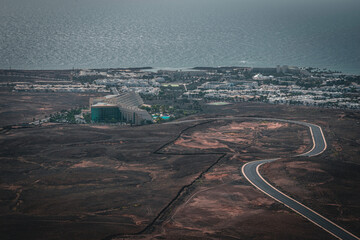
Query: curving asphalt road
251, 172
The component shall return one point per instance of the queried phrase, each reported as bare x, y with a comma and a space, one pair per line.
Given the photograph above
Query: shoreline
197, 68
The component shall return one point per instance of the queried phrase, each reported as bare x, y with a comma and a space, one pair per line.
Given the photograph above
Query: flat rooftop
104, 104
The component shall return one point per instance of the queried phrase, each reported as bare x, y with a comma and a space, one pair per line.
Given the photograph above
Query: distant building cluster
278, 85
76, 88
143, 86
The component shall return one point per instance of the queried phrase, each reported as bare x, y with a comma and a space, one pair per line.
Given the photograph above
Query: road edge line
257, 171
314, 144
242, 170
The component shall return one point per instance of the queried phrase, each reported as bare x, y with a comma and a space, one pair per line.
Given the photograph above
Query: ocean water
65, 34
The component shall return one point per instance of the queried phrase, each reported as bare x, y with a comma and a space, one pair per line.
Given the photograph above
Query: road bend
251, 172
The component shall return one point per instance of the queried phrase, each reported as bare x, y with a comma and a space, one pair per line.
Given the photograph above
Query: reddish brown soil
329, 182
90, 182
238, 133
223, 205
18, 107
258, 138
69, 177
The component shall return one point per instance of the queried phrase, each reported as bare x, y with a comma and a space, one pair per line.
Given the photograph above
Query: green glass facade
105, 114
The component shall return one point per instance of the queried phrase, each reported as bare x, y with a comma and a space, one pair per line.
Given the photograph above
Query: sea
67, 34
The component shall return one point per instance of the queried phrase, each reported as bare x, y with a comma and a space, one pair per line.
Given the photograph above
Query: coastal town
280, 85
175, 93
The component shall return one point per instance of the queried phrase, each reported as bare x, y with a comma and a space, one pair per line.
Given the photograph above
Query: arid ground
16, 107
177, 181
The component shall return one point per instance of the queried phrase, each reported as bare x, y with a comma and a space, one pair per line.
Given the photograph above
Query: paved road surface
251, 173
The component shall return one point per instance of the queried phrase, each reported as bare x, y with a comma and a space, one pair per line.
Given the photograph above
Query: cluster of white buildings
273, 85
285, 94
143, 86
118, 74
229, 84
76, 88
